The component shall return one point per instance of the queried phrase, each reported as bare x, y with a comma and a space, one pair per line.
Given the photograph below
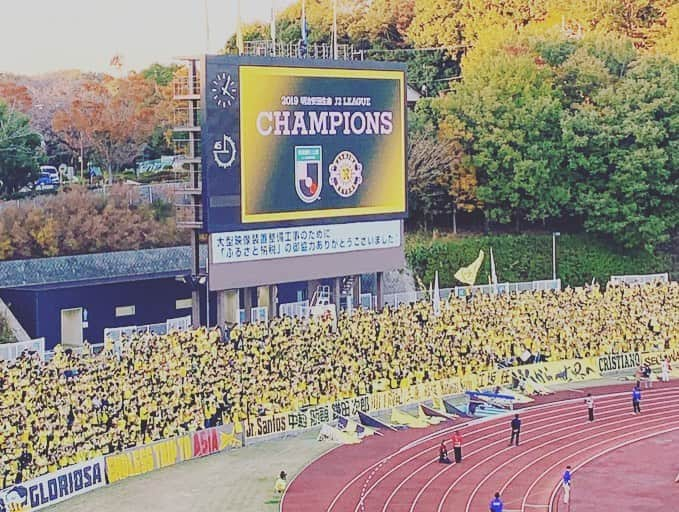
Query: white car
52, 172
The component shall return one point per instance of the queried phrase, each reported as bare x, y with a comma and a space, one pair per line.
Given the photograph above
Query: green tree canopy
20, 151
510, 112
623, 152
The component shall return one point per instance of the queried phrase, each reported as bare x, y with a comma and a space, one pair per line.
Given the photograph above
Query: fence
11, 351
294, 309
640, 279
260, 314
395, 299
368, 301
141, 194
256, 315
179, 324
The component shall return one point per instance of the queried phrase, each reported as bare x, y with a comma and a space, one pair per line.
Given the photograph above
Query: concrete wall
39, 309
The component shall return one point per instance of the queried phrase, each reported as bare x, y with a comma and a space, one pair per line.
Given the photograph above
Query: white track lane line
449, 490
557, 450
441, 432
610, 404
624, 443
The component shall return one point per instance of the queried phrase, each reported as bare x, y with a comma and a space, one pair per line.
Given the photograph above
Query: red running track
399, 472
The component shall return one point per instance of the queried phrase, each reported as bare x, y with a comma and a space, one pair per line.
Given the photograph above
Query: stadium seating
76, 407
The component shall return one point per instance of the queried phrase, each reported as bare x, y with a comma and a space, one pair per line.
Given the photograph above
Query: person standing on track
566, 485
636, 399
516, 430
665, 370
647, 372
589, 402
457, 446
496, 504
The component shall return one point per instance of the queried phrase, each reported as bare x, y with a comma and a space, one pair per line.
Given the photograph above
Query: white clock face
223, 90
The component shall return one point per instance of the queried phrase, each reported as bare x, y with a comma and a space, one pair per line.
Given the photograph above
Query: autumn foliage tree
115, 117
78, 222
16, 96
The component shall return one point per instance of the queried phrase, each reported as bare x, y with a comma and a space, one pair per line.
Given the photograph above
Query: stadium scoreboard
302, 157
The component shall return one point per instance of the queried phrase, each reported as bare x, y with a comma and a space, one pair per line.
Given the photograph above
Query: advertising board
293, 142
52, 488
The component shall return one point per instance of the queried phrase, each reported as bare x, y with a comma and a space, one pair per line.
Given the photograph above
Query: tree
16, 96
427, 165
20, 151
638, 20
458, 22
116, 117
161, 75
382, 24
31, 230
510, 113
666, 44
623, 154
460, 180
438, 183
581, 76
436, 23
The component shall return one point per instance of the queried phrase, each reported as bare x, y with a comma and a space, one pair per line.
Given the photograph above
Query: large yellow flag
468, 274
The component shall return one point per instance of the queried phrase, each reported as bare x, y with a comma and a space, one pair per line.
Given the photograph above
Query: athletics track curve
399, 472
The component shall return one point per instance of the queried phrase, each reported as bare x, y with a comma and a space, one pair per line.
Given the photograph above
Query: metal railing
171, 324
266, 48
294, 309
260, 314
11, 351
396, 299
182, 86
640, 279
189, 215
185, 117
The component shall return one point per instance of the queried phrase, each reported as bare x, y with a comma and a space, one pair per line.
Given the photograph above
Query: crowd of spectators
148, 387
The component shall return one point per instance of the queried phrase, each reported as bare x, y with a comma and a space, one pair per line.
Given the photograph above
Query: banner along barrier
281, 423
630, 361
55, 487
77, 479
143, 459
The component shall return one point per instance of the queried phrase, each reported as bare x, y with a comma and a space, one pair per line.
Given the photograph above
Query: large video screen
288, 142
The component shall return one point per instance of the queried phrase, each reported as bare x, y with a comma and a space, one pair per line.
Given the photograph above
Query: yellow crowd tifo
149, 387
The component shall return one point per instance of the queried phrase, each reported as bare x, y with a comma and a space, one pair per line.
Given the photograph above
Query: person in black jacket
516, 430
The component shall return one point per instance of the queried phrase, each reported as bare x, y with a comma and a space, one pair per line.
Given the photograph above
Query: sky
38, 36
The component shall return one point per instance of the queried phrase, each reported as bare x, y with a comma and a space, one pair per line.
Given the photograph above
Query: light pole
554, 235
207, 27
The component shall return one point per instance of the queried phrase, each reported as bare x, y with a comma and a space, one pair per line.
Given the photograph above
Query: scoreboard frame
221, 140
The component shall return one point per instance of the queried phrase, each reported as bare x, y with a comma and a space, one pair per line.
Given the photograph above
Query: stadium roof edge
98, 267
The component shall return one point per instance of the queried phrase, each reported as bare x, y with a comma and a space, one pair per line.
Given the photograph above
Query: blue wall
287, 292
38, 309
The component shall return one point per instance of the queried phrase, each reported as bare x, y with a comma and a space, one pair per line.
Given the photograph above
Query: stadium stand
149, 387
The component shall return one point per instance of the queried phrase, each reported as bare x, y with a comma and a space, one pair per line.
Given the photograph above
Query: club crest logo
308, 169
346, 174
14, 499
224, 152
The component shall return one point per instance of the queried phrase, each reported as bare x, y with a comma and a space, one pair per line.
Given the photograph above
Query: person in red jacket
457, 446
443, 454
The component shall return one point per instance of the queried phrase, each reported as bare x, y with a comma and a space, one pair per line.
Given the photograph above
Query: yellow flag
468, 274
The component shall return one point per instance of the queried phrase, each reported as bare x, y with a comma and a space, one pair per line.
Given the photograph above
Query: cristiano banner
286, 142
